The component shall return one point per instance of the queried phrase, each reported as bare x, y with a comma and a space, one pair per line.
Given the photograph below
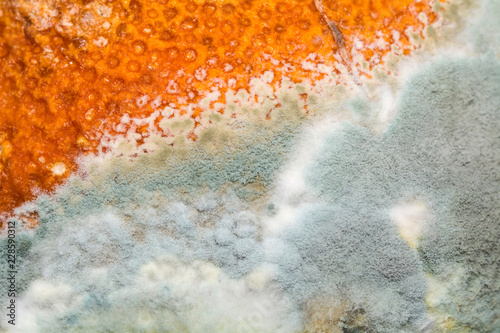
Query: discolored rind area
72, 69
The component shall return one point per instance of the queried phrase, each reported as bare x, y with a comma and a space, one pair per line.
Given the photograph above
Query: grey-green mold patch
359, 107
456, 133
176, 126
444, 147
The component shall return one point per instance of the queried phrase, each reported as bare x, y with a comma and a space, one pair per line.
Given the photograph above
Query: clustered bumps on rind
71, 69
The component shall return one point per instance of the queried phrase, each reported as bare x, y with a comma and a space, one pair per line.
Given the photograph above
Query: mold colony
240, 230
188, 246
70, 70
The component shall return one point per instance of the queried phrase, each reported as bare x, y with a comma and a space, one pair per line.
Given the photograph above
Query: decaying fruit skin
70, 70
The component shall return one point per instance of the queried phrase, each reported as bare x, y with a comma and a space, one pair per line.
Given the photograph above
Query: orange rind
70, 70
